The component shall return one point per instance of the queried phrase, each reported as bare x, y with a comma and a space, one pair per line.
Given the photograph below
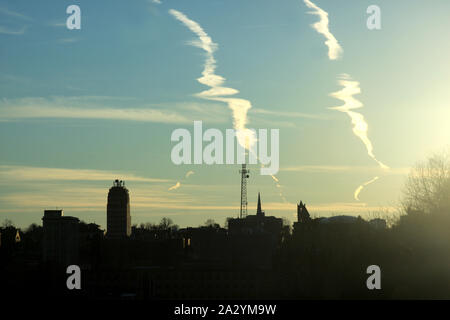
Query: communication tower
244, 176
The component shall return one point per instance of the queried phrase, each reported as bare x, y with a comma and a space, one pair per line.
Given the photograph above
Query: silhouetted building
342, 219
303, 218
254, 224
118, 212
302, 213
60, 238
254, 238
206, 283
206, 245
378, 223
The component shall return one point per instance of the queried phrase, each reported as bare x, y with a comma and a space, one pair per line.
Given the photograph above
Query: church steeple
259, 211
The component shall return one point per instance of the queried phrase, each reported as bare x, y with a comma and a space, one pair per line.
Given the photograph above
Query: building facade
60, 238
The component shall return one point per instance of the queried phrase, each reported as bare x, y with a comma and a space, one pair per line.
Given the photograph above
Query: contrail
280, 188
351, 88
322, 27
217, 92
188, 174
360, 125
175, 187
359, 189
178, 184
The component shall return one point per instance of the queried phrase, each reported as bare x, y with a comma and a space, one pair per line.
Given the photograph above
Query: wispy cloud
57, 24
108, 108
217, 92
348, 208
25, 173
337, 168
288, 114
88, 196
14, 14
95, 108
5, 30
322, 26
317, 168
68, 40
83, 199
144, 115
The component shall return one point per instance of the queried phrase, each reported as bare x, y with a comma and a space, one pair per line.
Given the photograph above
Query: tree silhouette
211, 223
7, 223
427, 189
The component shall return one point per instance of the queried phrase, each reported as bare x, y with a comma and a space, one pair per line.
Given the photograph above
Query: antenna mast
244, 176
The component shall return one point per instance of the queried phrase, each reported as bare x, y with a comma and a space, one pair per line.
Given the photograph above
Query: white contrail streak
350, 88
175, 187
188, 174
280, 188
322, 27
217, 92
178, 184
360, 126
359, 189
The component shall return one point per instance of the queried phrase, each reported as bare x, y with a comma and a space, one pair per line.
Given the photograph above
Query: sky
80, 108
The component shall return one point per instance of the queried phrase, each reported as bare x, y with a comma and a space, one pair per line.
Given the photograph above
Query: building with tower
254, 238
303, 218
258, 223
118, 224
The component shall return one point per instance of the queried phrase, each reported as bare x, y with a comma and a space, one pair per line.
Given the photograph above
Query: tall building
118, 211
61, 238
304, 220
302, 213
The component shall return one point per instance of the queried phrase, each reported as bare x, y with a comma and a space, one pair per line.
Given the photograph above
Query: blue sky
64, 93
